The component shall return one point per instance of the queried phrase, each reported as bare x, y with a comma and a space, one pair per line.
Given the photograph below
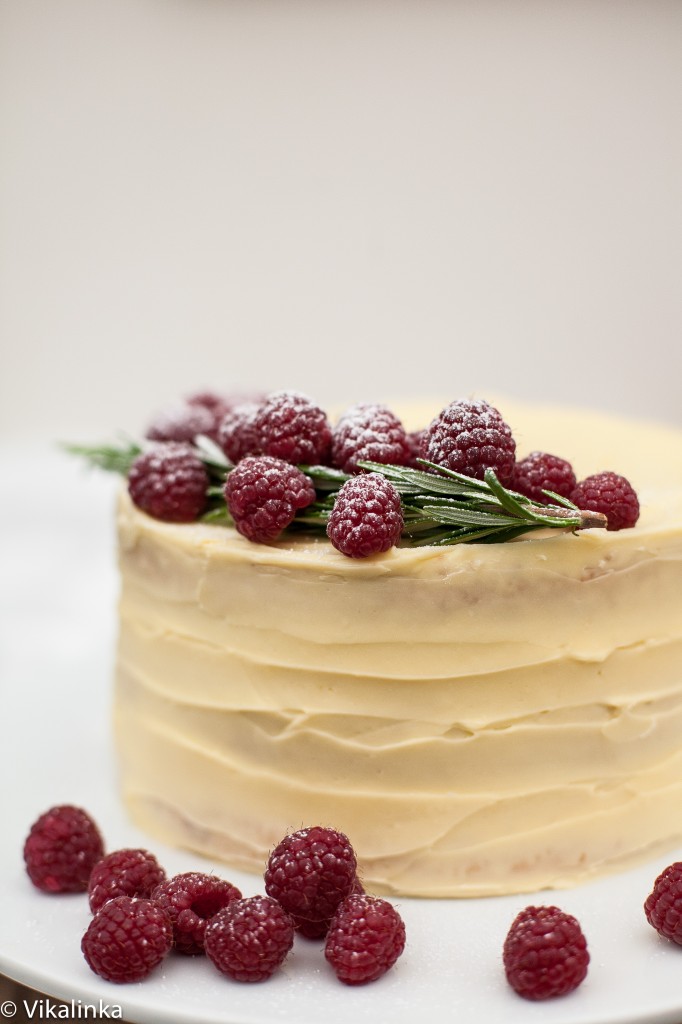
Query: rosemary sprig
440, 507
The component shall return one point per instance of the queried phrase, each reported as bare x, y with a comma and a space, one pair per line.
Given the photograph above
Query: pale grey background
356, 198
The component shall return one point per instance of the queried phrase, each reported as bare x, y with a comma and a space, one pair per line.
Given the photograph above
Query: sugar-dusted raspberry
182, 423
310, 871
126, 939
470, 437
124, 873
540, 472
214, 401
372, 433
416, 440
319, 929
367, 517
61, 849
292, 428
249, 938
237, 434
169, 482
365, 938
263, 495
610, 494
191, 900
545, 953
663, 906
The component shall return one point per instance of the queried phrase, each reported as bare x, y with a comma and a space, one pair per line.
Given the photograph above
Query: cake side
481, 719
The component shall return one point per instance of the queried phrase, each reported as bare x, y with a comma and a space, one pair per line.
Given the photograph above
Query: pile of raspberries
268, 438
140, 915
311, 888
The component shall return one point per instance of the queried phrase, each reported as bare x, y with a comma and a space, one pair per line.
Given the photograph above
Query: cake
480, 719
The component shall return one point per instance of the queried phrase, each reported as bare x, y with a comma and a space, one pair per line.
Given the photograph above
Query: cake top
275, 468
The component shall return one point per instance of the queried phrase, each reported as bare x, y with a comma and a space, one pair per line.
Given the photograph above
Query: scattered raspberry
124, 873
319, 929
470, 437
372, 433
365, 938
263, 495
610, 494
367, 517
169, 482
540, 472
61, 849
663, 906
545, 953
292, 428
126, 939
237, 434
310, 872
249, 938
182, 423
191, 900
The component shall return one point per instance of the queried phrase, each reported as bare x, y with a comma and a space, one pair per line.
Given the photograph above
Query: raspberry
366, 937
126, 939
470, 437
319, 929
124, 873
416, 440
610, 494
540, 472
237, 434
370, 432
169, 482
191, 900
211, 400
545, 953
367, 517
61, 849
182, 423
249, 938
663, 906
292, 428
263, 495
310, 872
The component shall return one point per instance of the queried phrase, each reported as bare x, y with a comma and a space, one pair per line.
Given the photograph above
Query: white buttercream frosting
478, 719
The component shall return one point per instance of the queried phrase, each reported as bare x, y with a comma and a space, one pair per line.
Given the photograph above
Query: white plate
57, 620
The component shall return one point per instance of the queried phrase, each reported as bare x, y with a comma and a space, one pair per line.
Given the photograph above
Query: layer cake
479, 719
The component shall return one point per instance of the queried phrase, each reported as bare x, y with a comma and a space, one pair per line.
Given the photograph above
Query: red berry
540, 472
182, 423
416, 440
249, 938
310, 872
372, 433
237, 434
169, 482
365, 938
367, 517
124, 873
263, 495
663, 906
126, 939
61, 849
319, 929
191, 900
545, 953
292, 428
470, 437
610, 494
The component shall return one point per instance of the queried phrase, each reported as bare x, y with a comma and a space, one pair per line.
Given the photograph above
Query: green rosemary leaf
112, 458
468, 517
561, 501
